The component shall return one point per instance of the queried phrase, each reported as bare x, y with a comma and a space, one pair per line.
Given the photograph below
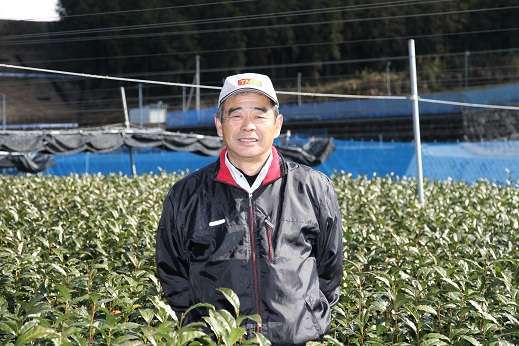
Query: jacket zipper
270, 229
253, 257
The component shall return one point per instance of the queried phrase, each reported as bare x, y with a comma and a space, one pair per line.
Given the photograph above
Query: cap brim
244, 90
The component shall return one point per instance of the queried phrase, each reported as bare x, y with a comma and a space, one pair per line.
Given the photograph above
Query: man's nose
248, 123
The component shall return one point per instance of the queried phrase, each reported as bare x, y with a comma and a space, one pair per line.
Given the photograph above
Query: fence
414, 99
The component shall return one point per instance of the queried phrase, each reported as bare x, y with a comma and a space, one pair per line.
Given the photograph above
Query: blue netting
495, 161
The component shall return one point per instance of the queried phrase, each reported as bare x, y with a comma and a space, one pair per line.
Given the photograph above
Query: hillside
33, 98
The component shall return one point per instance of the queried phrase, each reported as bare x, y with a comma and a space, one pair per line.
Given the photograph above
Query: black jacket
279, 249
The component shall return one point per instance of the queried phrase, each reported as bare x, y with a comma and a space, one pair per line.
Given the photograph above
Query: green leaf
196, 306
231, 298
410, 324
384, 280
147, 315
58, 268
64, 292
216, 325
256, 318
34, 333
260, 339
471, 339
436, 336
450, 282
428, 309
236, 335
190, 335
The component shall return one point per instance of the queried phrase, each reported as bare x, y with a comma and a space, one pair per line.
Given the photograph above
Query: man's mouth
248, 140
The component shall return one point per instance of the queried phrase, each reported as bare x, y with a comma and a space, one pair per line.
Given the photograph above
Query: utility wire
146, 9
85, 75
295, 45
314, 63
270, 15
259, 27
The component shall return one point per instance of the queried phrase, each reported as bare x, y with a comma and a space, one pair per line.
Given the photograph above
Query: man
266, 227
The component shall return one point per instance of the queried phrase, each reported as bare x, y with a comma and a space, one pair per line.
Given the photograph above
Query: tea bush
77, 265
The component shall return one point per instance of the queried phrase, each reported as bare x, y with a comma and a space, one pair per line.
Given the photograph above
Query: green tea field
77, 265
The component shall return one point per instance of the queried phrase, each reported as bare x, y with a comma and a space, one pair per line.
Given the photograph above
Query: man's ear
218, 125
279, 124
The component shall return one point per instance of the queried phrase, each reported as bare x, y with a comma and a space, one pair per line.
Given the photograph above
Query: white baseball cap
244, 82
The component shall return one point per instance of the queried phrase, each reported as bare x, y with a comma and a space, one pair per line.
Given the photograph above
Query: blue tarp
505, 94
495, 161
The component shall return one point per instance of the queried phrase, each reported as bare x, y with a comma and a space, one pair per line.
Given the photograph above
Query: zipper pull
270, 229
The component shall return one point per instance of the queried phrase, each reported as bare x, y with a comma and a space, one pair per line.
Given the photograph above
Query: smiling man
255, 222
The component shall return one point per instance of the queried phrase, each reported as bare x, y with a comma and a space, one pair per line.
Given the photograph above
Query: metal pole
388, 78
126, 120
132, 163
299, 88
141, 115
4, 113
184, 102
466, 83
197, 82
416, 121
127, 124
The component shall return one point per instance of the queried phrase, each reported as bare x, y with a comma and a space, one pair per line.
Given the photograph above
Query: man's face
248, 127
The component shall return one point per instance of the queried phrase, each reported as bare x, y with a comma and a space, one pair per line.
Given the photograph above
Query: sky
40, 10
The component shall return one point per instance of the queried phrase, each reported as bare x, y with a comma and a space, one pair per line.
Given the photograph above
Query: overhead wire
270, 15
295, 45
76, 15
258, 27
307, 64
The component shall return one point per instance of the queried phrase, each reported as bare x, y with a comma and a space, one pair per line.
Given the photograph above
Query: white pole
388, 78
4, 115
466, 84
127, 124
126, 120
299, 88
416, 121
141, 114
197, 82
184, 102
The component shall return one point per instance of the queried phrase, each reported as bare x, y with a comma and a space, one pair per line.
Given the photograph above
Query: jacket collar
274, 172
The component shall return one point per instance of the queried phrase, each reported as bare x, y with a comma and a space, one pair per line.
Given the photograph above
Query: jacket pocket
320, 312
201, 247
270, 230
218, 242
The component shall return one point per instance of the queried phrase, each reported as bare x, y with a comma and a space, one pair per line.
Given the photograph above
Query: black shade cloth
310, 152
27, 163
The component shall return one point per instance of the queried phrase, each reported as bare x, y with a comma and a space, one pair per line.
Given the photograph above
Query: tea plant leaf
188, 336
258, 339
147, 315
384, 280
427, 309
58, 268
256, 318
231, 298
450, 282
217, 324
410, 324
33, 332
194, 307
436, 336
236, 335
471, 339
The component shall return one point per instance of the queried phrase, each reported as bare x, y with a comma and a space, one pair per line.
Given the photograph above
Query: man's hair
219, 112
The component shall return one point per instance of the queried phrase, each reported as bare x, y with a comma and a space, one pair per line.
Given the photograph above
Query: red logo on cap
249, 82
